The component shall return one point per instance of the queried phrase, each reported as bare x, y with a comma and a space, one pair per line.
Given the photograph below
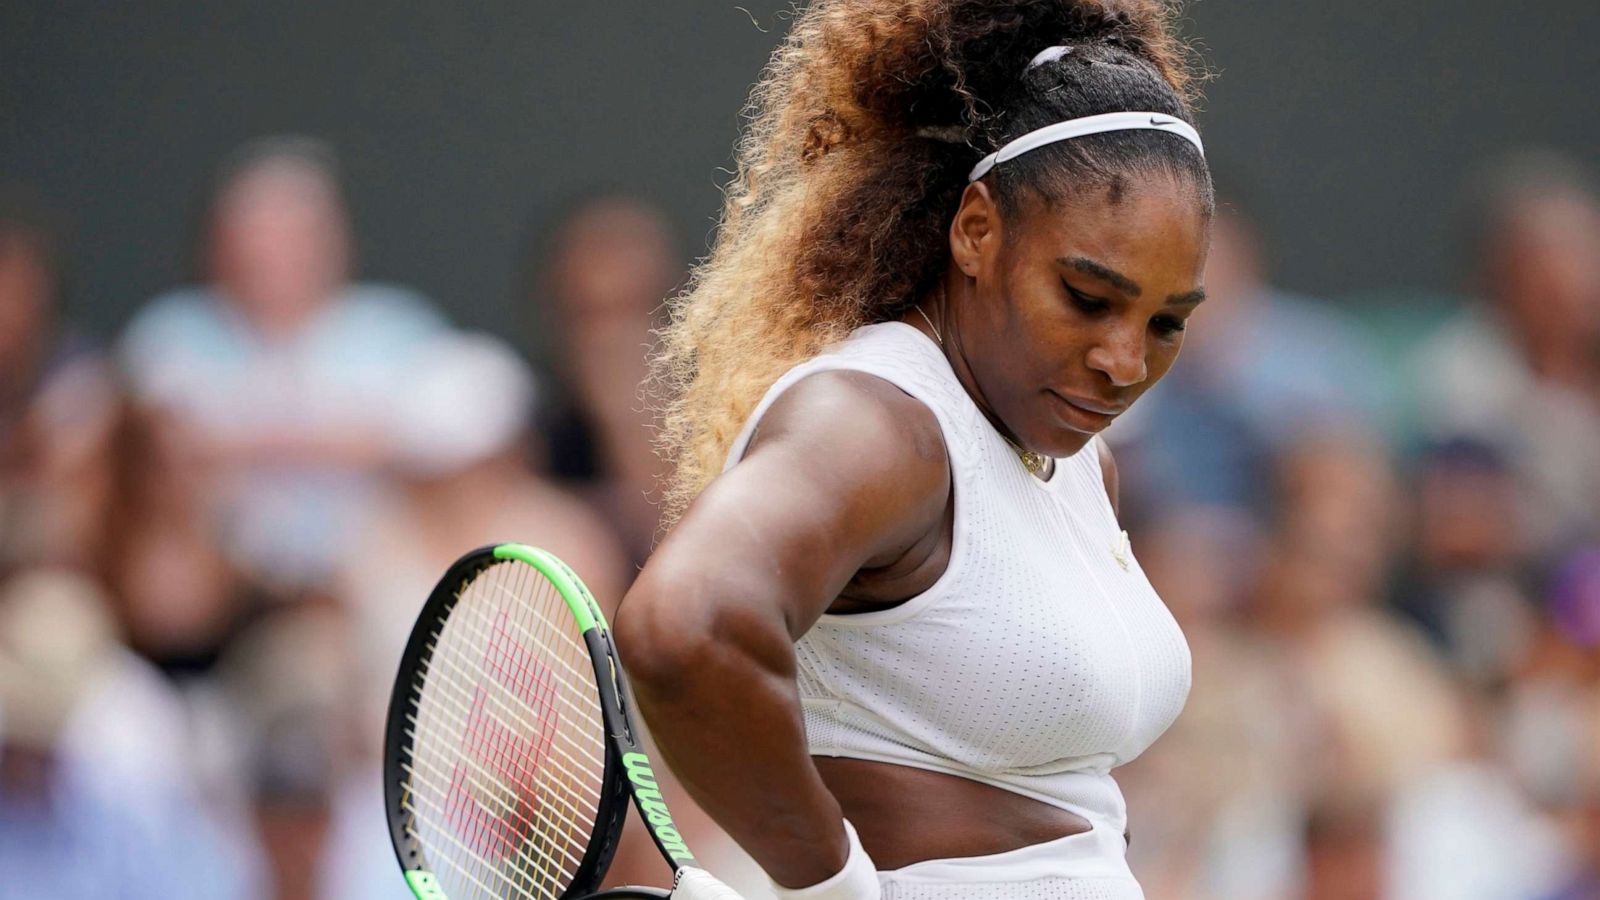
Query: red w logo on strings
492, 802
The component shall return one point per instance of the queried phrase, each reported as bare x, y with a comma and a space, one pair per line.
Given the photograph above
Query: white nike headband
1076, 128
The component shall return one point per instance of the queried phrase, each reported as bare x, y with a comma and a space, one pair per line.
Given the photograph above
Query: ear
975, 230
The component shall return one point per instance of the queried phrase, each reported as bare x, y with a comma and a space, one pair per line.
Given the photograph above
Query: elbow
696, 633
657, 651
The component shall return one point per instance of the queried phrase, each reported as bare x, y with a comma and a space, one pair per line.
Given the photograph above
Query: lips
1098, 407
1084, 413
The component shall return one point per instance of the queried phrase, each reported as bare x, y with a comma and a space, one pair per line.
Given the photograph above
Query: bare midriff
906, 815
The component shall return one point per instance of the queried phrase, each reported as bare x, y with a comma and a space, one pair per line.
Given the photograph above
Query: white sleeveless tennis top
1038, 661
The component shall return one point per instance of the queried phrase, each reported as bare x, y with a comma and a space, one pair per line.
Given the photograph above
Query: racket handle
698, 884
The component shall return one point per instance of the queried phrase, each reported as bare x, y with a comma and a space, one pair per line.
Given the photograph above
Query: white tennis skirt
1088, 866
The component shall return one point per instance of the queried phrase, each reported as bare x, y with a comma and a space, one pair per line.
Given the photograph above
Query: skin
1082, 300
280, 245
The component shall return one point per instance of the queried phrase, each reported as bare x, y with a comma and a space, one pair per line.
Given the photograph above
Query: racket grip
698, 884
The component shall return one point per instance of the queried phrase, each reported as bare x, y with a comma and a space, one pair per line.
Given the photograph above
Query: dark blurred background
277, 282
1352, 122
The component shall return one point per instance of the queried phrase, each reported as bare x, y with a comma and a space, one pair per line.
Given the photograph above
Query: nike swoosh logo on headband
1081, 127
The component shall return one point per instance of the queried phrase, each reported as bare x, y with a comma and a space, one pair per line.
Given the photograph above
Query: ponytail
862, 131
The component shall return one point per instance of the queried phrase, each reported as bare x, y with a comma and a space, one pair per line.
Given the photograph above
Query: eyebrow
1103, 272
1122, 282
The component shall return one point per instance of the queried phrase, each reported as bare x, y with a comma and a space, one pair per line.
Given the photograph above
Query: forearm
719, 698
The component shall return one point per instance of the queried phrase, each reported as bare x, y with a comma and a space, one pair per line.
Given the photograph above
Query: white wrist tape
698, 884
858, 880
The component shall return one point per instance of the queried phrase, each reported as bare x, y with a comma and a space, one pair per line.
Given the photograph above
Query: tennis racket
509, 751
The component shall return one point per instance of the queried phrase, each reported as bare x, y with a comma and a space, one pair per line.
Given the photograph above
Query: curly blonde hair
861, 132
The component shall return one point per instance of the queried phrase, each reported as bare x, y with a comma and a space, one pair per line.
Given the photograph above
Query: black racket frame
612, 808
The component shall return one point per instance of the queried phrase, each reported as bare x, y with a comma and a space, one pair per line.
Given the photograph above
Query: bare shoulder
845, 472
1108, 471
870, 452
838, 411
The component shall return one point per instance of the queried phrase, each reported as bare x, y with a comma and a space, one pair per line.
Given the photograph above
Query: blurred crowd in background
1377, 522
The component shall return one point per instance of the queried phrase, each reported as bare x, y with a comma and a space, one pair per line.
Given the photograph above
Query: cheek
1046, 338
1029, 310
1161, 356
1006, 323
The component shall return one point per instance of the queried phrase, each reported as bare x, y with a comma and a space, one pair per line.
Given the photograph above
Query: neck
940, 311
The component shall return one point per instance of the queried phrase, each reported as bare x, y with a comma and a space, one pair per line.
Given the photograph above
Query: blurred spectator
605, 276
1344, 853
1260, 366
1550, 731
1467, 579
56, 400
1436, 818
282, 415
281, 684
1326, 752
282, 372
461, 482
1389, 710
1465, 831
177, 596
1520, 372
1225, 789
95, 794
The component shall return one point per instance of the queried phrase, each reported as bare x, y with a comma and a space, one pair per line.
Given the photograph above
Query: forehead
1151, 228
277, 187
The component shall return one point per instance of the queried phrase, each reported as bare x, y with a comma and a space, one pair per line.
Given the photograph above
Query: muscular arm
845, 472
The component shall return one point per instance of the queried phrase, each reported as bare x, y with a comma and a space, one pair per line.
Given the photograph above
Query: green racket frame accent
424, 885
571, 587
627, 768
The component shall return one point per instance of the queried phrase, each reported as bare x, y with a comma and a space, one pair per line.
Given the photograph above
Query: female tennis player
896, 641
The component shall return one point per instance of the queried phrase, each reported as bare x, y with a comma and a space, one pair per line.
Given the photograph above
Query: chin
1060, 442
1077, 441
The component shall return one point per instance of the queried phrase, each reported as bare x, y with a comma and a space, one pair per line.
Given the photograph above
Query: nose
1121, 358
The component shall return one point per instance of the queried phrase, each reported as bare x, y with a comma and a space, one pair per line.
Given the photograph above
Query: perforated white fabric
1042, 889
1087, 866
1037, 662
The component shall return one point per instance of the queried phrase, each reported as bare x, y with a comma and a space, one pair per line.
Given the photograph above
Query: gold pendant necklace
936, 335
1034, 462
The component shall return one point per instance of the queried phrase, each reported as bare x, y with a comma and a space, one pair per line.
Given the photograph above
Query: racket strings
535, 860
567, 743
512, 765
564, 769
463, 809
485, 780
490, 834
507, 756
486, 787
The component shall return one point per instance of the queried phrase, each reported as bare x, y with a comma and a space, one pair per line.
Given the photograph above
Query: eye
1085, 302
1167, 326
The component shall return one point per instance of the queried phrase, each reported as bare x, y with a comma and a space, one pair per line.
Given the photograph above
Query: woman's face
1073, 310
